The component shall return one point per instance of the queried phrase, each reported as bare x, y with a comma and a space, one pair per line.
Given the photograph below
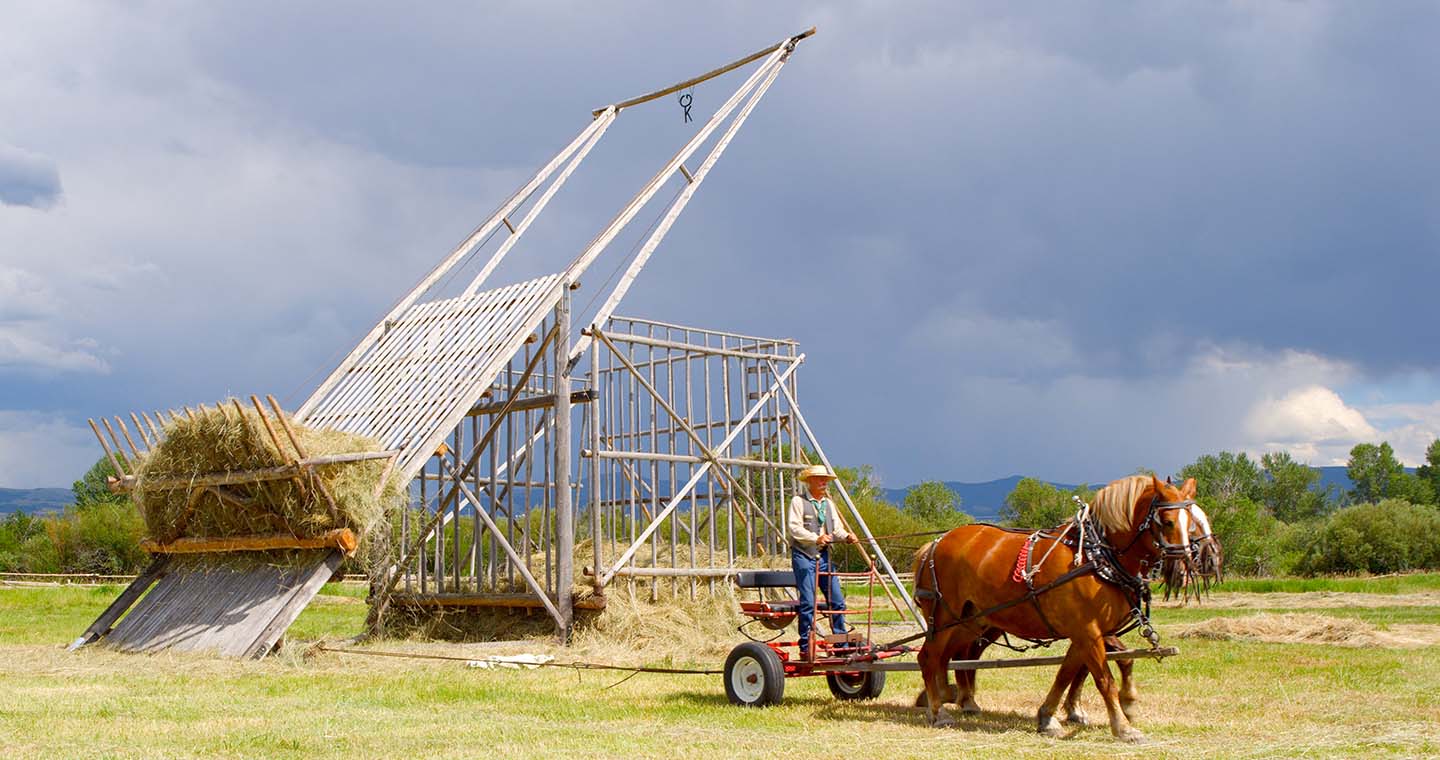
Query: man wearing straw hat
814, 524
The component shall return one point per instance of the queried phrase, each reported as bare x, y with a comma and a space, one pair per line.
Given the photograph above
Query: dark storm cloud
996, 229
1192, 172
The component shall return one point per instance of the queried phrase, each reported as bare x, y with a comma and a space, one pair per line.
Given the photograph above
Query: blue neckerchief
819, 510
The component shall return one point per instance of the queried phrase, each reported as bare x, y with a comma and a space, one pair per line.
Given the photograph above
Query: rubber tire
867, 684
764, 665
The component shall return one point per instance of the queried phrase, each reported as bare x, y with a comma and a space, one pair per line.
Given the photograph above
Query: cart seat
771, 609
765, 579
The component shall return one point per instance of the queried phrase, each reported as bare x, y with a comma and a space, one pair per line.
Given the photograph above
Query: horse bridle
1150, 523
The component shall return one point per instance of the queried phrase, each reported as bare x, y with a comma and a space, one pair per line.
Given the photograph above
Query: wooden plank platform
233, 605
1017, 662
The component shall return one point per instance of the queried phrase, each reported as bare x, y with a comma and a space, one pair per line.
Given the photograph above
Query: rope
502, 661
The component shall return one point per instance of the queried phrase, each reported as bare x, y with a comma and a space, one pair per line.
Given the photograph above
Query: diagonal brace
700, 471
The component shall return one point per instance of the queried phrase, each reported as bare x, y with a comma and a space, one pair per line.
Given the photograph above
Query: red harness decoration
1020, 561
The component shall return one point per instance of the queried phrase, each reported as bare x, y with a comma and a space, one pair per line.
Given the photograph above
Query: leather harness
1104, 563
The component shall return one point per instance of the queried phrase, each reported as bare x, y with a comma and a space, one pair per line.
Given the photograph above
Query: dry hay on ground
630, 626
1306, 628
1312, 600
225, 440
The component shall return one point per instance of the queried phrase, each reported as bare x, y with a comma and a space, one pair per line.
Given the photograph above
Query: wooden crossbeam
339, 538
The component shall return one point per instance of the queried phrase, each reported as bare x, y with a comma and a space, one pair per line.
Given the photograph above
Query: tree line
1272, 516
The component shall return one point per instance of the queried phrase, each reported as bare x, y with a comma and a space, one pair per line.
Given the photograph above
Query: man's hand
851, 538
823, 540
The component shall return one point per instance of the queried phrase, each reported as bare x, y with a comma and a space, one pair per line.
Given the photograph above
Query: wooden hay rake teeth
235, 595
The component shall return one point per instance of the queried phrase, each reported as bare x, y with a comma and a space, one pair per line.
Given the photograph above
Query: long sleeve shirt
804, 527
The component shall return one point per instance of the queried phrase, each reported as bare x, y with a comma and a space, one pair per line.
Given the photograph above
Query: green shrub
100, 537
1388, 537
1249, 535
1037, 504
936, 506
15, 531
893, 529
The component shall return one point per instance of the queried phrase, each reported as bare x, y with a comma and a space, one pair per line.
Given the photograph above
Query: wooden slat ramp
235, 604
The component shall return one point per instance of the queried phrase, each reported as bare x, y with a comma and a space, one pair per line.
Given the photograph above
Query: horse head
1206, 561
1208, 557
1149, 521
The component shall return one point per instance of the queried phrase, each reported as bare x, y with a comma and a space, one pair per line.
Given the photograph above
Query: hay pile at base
1305, 628
224, 440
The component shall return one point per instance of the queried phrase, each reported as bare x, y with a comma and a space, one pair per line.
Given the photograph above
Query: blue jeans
805, 570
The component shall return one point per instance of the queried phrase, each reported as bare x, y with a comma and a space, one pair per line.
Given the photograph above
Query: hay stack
1306, 628
225, 440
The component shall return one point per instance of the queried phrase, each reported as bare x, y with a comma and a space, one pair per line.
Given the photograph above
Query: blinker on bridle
1156, 506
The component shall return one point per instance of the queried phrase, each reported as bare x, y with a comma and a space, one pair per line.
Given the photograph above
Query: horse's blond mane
1115, 504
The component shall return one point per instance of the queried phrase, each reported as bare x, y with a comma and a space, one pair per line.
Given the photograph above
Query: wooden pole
109, 453
144, 436
300, 451
564, 509
115, 440
755, 89
275, 439
467, 246
125, 429
594, 412
158, 431
727, 68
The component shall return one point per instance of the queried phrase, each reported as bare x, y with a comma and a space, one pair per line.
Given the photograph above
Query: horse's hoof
1131, 736
922, 700
1054, 732
1048, 726
1077, 718
942, 719
969, 707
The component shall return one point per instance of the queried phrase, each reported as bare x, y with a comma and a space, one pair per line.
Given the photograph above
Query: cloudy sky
1067, 240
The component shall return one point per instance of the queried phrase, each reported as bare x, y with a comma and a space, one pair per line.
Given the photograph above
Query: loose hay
675, 630
1304, 628
225, 440
630, 629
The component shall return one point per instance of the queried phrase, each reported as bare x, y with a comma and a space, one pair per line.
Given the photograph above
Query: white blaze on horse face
1183, 519
1202, 521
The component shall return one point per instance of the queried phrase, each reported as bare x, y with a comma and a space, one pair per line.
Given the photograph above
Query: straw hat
816, 471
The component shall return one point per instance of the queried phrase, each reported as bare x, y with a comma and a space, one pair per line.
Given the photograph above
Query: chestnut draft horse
966, 583
1205, 564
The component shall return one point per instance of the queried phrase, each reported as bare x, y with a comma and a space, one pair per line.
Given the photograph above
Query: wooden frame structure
470, 389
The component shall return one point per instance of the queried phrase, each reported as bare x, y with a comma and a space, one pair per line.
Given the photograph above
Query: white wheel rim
747, 678
849, 684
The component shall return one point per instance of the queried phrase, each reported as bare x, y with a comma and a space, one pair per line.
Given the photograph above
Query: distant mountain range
981, 500
34, 500
984, 500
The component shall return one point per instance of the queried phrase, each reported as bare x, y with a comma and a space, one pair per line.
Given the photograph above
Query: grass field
1218, 699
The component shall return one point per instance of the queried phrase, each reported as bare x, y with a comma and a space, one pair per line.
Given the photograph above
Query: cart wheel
866, 684
754, 676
